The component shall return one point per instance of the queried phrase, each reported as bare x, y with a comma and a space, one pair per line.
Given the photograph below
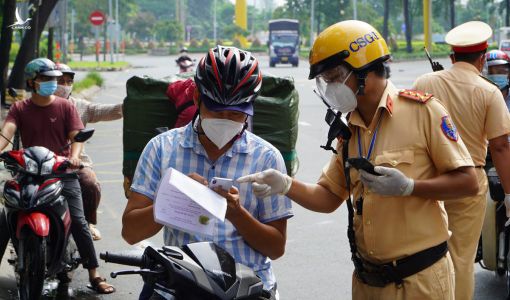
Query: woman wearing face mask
89, 113
498, 70
216, 144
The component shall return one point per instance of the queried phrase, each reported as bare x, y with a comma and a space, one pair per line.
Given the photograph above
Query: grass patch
101, 66
92, 78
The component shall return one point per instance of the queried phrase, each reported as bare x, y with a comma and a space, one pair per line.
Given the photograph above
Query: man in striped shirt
216, 144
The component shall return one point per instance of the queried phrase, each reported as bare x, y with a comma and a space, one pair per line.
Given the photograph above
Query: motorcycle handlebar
124, 258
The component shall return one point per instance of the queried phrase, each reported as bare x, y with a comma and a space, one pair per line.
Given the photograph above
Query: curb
88, 93
105, 69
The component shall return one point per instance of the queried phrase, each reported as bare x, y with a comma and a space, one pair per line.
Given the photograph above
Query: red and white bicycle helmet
497, 58
228, 79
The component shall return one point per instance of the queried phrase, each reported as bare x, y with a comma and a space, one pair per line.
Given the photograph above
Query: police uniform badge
449, 129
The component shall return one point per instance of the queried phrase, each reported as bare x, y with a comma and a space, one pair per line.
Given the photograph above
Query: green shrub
14, 51
193, 43
206, 43
92, 78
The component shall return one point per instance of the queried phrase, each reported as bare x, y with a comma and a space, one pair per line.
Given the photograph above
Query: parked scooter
38, 218
493, 254
195, 271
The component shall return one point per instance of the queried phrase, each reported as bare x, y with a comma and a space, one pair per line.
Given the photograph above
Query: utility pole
355, 9
214, 24
110, 31
117, 30
312, 13
64, 31
73, 14
427, 24
35, 21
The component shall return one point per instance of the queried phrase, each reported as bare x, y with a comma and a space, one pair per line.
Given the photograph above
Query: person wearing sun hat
479, 112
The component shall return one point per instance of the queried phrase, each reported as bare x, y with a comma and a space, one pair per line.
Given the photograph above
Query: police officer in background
498, 70
397, 227
478, 109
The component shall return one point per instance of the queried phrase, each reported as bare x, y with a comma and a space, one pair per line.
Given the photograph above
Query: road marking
89, 147
118, 162
110, 211
107, 172
112, 181
303, 123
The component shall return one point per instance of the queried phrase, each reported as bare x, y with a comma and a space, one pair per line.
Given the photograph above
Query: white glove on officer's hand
268, 182
507, 205
392, 182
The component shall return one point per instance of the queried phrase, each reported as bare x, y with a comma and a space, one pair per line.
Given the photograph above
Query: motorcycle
195, 271
38, 218
493, 249
185, 64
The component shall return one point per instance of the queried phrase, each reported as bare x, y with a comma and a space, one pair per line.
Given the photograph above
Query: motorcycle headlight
31, 166
47, 167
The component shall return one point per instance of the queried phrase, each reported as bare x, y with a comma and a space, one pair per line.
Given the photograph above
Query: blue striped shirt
180, 149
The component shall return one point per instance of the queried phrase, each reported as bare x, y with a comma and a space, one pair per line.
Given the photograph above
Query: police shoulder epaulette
489, 81
415, 95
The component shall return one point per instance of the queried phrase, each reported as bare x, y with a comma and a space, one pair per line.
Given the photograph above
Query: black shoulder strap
350, 228
183, 106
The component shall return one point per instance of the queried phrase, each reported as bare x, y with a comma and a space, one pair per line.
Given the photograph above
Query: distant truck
284, 42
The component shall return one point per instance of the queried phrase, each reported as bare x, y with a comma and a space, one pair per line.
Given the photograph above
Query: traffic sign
97, 18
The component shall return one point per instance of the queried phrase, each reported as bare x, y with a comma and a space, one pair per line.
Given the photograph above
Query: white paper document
186, 204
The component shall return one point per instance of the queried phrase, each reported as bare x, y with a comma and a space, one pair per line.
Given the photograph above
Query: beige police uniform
411, 139
479, 111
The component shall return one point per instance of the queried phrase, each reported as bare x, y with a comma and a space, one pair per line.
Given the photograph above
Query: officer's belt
395, 271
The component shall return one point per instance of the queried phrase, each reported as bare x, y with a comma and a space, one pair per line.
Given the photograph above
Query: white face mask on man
221, 131
338, 95
64, 91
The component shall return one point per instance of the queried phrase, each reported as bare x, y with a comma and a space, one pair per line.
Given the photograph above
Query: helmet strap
361, 76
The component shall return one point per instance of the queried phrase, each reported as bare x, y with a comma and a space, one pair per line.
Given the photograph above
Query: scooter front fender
38, 222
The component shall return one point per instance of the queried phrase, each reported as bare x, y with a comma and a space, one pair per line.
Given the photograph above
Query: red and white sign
97, 18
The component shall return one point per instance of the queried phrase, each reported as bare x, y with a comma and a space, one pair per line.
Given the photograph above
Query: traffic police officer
397, 227
479, 111
498, 71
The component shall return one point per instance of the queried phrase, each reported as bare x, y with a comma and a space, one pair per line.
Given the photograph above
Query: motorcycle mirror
83, 135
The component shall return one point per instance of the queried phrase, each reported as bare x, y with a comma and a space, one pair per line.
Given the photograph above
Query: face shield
337, 128
335, 93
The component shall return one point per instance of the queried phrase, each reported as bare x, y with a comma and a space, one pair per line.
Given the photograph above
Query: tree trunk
50, 42
408, 24
452, 13
9, 9
507, 21
28, 46
386, 17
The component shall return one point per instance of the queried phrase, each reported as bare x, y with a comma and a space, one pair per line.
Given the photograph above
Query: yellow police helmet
354, 42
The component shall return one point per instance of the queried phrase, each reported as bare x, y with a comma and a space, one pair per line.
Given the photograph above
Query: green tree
170, 31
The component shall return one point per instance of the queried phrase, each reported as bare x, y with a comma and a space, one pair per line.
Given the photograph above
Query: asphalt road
316, 264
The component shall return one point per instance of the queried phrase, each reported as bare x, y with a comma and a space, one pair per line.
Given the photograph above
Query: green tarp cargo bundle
275, 118
147, 107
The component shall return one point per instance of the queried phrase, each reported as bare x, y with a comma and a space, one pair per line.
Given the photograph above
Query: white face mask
221, 131
338, 95
64, 91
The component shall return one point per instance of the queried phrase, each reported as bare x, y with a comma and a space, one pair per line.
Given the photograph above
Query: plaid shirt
92, 113
180, 148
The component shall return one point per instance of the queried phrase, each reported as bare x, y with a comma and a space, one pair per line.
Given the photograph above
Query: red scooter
38, 218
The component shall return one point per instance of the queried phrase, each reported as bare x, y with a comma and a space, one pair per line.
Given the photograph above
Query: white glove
268, 182
507, 205
392, 182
